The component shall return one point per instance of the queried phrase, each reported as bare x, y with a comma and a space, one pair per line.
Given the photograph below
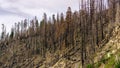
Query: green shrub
103, 60
110, 62
97, 65
90, 66
117, 64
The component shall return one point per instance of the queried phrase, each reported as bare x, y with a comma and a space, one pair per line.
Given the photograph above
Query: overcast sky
12, 11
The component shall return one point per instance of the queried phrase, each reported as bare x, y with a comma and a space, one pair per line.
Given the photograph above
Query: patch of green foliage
117, 64
104, 59
97, 65
110, 63
90, 66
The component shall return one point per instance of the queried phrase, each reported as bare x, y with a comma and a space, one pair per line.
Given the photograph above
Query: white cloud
16, 10
9, 21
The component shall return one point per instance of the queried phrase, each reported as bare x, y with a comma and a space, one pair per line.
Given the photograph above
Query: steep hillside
88, 38
109, 55
20, 56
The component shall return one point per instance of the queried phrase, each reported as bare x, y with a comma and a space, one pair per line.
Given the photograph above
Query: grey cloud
51, 5
12, 10
11, 0
16, 12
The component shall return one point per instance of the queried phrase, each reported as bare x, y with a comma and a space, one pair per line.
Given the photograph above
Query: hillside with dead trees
68, 40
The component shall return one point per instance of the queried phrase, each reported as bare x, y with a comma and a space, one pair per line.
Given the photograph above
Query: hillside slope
20, 55
88, 38
108, 56
105, 57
